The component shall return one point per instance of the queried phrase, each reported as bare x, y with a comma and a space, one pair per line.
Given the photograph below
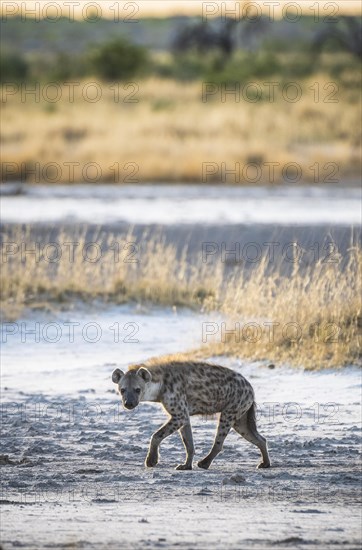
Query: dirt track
74, 475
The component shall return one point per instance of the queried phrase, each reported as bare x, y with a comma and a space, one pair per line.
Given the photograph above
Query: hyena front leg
186, 435
225, 424
174, 424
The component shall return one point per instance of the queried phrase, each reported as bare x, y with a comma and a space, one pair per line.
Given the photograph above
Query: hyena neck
152, 391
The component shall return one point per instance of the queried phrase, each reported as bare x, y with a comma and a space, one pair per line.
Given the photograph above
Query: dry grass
148, 270
311, 318
320, 302
170, 132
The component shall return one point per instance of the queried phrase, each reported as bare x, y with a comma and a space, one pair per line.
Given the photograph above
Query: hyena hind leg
187, 439
246, 427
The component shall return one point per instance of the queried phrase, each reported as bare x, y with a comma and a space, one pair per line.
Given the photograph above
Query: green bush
65, 67
118, 60
13, 68
245, 67
188, 67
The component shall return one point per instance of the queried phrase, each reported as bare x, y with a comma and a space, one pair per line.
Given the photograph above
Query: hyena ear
144, 374
117, 375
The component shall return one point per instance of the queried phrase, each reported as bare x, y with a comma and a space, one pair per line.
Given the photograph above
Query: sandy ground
183, 204
72, 458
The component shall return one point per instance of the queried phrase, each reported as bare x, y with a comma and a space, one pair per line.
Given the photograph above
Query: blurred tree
345, 33
205, 36
223, 34
118, 60
251, 32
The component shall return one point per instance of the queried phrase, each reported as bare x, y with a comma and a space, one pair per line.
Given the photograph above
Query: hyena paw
263, 464
203, 464
151, 460
184, 467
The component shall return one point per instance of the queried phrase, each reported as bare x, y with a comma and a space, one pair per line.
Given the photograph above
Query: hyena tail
251, 419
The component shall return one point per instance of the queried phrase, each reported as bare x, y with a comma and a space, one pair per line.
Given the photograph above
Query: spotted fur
189, 388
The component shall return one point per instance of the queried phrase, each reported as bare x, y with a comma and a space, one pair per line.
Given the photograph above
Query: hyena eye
138, 390
122, 390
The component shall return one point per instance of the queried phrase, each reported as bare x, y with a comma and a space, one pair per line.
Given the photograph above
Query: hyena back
188, 388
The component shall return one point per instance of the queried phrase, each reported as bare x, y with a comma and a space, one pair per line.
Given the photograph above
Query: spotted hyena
188, 388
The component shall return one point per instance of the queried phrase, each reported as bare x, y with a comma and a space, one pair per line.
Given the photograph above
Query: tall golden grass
311, 317
315, 310
169, 132
146, 270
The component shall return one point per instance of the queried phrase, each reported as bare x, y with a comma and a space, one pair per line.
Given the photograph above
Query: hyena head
131, 386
